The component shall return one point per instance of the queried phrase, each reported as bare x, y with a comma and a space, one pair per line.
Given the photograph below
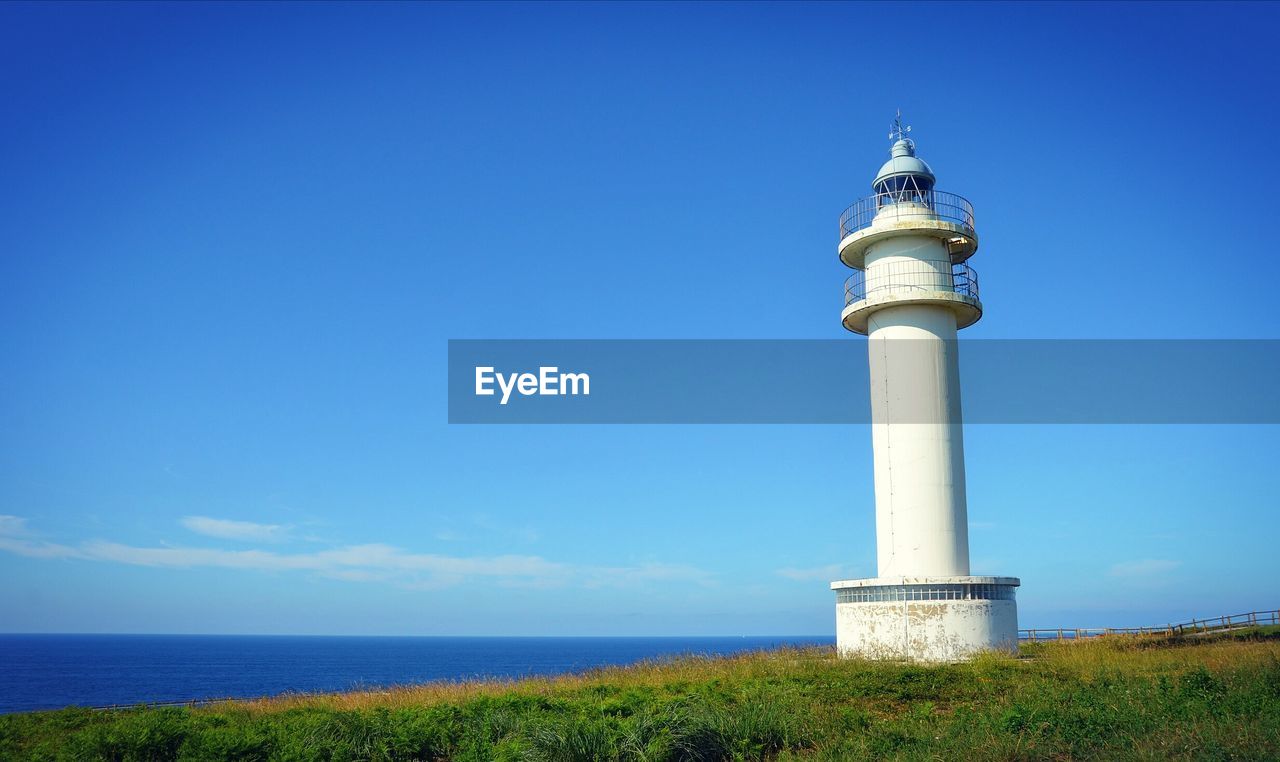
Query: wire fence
1212, 624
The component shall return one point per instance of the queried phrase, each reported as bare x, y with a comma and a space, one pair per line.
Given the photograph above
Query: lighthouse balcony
933, 213
916, 282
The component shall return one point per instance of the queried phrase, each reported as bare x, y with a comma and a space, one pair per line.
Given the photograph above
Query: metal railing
1212, 624
910, 276
930, 204
927, 592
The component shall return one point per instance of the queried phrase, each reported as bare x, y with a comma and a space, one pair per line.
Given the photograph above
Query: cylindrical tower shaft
917, 439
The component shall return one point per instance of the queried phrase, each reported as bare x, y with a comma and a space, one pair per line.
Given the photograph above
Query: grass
1109, 698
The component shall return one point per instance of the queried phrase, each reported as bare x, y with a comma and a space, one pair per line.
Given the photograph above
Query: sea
54, 671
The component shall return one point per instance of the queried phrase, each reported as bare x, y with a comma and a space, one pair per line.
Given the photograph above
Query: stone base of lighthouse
927, 619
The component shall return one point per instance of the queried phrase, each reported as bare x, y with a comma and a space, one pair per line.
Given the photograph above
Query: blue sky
235, 239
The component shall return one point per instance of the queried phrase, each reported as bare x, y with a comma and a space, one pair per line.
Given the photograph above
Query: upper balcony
897, 283
934, 213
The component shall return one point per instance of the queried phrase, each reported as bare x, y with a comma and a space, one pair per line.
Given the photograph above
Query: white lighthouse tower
910, 292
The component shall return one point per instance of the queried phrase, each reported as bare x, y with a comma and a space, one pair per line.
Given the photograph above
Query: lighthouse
911, 291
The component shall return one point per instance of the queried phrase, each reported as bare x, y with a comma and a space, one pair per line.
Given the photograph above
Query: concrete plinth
928, 619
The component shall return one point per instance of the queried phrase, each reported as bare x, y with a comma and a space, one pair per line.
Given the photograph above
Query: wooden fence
1213, 624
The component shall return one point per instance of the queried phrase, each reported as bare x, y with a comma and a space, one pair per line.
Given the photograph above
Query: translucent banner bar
826, 381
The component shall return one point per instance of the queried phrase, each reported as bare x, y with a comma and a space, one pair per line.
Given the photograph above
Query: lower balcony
899, 283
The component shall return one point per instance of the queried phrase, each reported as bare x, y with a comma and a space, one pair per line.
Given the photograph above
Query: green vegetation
1110, 698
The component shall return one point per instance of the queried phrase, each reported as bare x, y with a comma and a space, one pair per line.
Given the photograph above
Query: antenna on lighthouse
897, 131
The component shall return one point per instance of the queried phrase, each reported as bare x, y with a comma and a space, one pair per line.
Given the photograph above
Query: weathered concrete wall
931, 631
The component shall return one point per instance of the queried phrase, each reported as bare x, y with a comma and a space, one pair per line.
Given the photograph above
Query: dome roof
903, 162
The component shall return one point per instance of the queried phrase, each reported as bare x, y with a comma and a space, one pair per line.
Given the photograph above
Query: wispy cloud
374, 562
16, 538
610, 576
12, 526
1148, 567
36, 549
225, 529
828, 573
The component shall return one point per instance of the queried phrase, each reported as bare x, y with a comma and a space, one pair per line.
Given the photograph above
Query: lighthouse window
896, 593
905, 188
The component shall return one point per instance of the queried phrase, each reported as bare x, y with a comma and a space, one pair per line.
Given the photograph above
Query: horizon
238, 240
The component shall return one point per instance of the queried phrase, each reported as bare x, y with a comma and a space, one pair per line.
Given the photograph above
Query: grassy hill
1111, 698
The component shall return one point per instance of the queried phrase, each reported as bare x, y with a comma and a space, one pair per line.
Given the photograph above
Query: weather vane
897, 131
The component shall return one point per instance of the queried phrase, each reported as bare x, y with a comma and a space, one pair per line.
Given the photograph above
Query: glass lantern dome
905, 176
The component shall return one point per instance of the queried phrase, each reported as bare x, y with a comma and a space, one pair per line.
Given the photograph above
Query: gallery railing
931, 204
898, 277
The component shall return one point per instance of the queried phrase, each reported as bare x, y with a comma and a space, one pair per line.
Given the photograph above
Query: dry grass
654, 674
1133, 655
1119, 697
